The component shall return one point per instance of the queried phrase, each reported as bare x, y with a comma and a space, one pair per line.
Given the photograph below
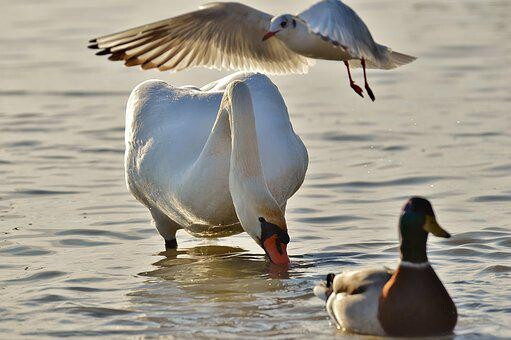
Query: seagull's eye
283, 24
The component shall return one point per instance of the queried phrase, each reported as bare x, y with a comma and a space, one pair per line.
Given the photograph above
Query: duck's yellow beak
432, 226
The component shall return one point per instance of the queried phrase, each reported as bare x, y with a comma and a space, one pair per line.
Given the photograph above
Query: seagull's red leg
354, 86
366, 85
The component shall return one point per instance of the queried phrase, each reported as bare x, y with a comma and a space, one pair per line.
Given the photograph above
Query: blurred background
81, 258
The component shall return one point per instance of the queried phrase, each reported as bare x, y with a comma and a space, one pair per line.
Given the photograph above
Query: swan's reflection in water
219, 270
226, 288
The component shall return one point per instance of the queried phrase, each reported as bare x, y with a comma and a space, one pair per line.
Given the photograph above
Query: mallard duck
410, 301
215, 161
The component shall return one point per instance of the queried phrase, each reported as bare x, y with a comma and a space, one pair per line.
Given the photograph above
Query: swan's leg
366, 84
172, 244
354, 86
166, 227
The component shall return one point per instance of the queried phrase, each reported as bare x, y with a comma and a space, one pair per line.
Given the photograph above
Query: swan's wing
338, 23
218, 35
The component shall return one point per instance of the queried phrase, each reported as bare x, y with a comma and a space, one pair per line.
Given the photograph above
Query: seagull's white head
280, 24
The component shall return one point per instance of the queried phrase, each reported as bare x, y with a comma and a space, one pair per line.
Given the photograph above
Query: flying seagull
230, 35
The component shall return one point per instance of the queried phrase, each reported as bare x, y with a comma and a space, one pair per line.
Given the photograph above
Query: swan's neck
250, 194
245, 159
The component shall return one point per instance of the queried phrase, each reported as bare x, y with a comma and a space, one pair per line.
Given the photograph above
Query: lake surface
79, 256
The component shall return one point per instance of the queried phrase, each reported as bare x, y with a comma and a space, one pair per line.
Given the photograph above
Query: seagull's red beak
269, 35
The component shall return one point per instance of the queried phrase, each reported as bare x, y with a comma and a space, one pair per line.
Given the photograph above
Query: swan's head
280, 25
274, 239
264, 221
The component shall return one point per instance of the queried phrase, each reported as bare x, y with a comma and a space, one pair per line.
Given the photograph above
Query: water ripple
377, 184
37, 277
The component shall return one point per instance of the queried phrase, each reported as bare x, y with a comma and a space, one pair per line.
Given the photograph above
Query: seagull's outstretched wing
337, 22
218, 35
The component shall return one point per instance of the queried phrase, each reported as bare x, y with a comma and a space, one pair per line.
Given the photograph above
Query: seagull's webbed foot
354, 86
358, 89
370, 92
366, 84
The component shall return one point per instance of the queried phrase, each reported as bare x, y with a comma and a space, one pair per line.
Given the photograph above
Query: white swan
206, 160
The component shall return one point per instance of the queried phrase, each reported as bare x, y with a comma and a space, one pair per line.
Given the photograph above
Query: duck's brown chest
415, 303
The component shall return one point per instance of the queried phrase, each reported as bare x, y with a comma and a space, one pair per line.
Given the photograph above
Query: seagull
233, 36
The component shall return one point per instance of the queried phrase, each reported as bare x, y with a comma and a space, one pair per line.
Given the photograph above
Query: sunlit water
79, 256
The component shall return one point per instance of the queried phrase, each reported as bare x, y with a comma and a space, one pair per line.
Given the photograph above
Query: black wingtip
104, 52
95, 40
93, 46
116, 56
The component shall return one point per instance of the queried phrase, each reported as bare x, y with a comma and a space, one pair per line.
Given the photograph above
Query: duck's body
410, 301
415, 302
353, 301
189, 155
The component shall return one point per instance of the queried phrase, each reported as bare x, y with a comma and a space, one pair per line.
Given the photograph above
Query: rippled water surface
79, 256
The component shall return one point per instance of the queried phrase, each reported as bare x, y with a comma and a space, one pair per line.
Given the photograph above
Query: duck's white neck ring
420, 265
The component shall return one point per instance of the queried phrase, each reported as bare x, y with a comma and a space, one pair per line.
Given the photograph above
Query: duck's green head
416, 222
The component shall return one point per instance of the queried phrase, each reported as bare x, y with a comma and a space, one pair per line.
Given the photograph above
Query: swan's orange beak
276, 250
274, 240
268, 35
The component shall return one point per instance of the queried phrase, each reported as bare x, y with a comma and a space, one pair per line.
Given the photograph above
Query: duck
231, 35
408, 301
215, 161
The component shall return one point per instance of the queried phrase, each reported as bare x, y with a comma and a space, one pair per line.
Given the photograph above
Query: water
81, 258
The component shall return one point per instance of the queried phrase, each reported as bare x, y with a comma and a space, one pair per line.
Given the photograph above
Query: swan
410, 301
215, 161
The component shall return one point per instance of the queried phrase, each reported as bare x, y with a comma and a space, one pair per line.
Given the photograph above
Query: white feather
218, 35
